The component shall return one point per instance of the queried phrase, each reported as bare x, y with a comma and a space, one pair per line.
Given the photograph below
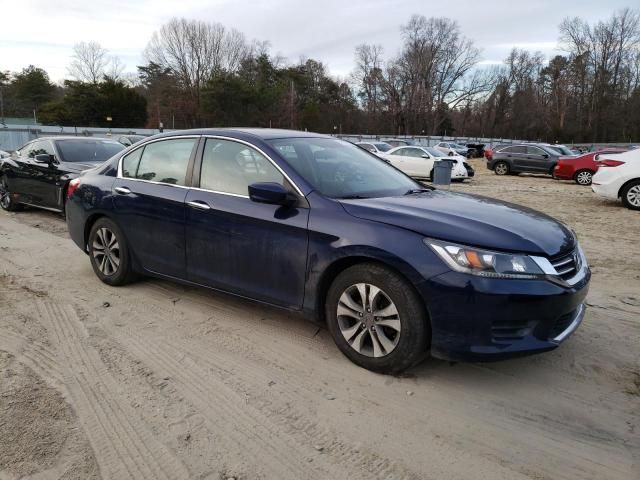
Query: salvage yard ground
157, 380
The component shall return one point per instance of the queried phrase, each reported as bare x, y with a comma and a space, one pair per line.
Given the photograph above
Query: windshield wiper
417, 190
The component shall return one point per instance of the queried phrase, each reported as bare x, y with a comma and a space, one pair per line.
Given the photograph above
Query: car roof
257, 133
69, 137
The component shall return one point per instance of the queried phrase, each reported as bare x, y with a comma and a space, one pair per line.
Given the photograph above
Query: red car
580, 168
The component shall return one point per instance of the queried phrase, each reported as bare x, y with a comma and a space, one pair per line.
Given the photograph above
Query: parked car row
613, 173
394, 269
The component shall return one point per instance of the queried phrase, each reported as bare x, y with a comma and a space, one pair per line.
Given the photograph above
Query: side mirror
424, 155
545, 155
43, 158
270, 192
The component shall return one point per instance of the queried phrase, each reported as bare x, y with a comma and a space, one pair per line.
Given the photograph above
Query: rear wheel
630, 195
377, 319
109, 253
6, 199
501, 168
583, 177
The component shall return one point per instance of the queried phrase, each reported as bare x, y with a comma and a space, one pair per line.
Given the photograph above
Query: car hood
469, 220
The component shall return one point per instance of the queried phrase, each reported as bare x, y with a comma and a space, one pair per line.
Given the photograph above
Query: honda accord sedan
319, 226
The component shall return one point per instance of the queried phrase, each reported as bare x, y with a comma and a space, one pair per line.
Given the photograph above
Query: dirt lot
161, 381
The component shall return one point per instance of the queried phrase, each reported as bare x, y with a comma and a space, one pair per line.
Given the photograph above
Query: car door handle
122, 190
199, 204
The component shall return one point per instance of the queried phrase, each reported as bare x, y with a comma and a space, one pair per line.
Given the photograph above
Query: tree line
200, 73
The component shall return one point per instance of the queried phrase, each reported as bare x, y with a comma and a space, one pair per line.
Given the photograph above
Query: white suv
618, 176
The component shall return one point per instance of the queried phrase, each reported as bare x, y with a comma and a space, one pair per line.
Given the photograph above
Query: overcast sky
42, 32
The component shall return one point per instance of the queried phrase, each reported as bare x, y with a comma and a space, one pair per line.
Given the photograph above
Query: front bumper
484, 319
563, 173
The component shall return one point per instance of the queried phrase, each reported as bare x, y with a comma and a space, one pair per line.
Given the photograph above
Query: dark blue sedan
317, 225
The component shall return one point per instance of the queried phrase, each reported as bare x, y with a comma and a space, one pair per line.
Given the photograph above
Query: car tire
109, 253
583, 177
7, 203
630, 195
403, 337
501, 168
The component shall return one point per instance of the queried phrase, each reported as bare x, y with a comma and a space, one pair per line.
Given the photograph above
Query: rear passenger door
515, 156
149, 199
247, 248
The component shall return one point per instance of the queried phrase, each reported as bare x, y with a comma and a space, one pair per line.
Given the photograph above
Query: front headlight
485, 263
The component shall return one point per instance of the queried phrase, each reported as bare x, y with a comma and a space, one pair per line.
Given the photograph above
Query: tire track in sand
122, 445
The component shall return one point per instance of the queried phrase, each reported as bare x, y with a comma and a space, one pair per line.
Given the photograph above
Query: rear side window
89, 150
165, 161
230, 167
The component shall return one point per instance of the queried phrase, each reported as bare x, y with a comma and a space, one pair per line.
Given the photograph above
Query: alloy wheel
5, 198
501, 169
633, 195
106, 251
368, 320
584, 178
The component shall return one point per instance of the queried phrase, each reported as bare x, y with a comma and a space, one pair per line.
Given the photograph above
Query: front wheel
377, 320
109, 253
583, 177
630, 195
6, 200
501, 168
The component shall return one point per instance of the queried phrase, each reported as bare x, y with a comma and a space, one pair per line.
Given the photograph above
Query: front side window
37, 148
339, 169
165, 161
230, 167
414, 152
534, 151
401, 152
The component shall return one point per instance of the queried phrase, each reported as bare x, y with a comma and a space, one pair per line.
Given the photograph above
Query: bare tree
368, 78
89, 62
196, 51
115, 68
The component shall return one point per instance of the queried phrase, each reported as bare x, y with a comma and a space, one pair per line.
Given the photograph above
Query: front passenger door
538, 160
251, 249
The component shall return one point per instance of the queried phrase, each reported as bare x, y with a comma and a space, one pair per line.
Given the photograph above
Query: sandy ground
156, 380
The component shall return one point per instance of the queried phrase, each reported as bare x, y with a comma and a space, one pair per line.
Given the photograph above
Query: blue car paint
287, 256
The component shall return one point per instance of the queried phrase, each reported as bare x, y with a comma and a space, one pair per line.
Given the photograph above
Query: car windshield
549, 149
457, 145
562, 149
90, 150
383, 147
338, 169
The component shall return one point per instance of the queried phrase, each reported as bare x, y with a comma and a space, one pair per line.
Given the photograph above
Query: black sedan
38, 173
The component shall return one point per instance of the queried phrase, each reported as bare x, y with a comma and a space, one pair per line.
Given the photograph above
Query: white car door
398, 157
419, 163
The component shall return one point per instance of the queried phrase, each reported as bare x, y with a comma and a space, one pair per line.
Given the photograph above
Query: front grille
562, 323
566, 264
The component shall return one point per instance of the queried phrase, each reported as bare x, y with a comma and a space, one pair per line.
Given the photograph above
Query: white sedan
418, 162
618, 176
